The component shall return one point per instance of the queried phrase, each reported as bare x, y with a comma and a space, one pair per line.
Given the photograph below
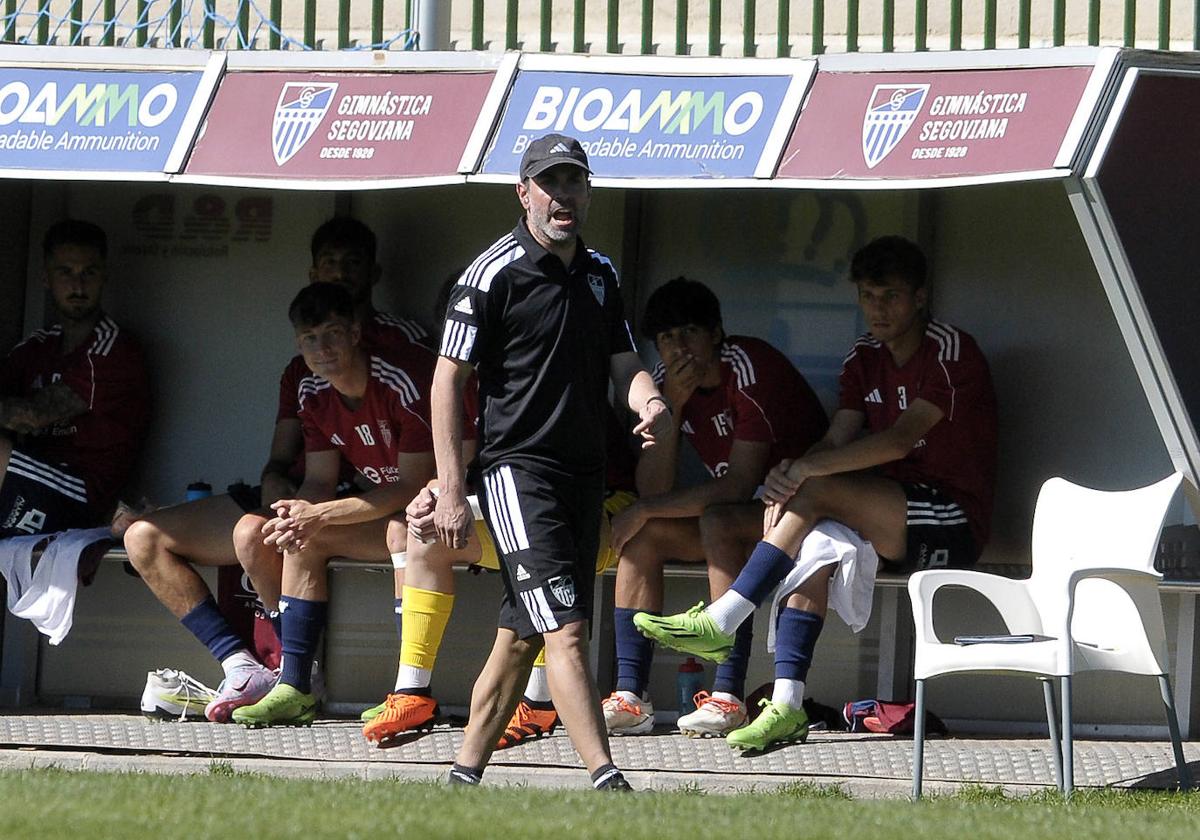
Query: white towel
852, 587
46, 595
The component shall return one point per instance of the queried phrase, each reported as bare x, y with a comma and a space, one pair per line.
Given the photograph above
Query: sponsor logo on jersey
563, 589
301, 107
464, 306
597, 284
890, 114
521, 573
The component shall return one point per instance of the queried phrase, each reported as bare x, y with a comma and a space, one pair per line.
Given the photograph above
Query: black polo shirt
540, 335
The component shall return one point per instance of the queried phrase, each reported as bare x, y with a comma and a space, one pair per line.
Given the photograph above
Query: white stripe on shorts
928, 513
60, 482
539, 610
506, 508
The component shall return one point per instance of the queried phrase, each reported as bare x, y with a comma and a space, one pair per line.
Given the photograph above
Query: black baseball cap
552, 150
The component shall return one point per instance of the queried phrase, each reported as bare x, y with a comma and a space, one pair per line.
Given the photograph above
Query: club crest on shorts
890, 114
301, 107
597, 284
563, 589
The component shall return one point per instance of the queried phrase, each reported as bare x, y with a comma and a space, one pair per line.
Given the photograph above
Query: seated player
909, 462
429, 599
743, 406
74, 399
165, 545
370, 407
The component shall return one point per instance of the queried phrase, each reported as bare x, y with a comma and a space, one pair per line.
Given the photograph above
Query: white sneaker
173, 694
715, 717
623, 717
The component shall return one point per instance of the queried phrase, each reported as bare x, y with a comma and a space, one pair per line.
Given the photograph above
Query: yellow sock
540, 662
425, 616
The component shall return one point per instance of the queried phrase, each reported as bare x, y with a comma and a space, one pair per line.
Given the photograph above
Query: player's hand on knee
626, 524
453, 520
772, 513
419, 516
779, 486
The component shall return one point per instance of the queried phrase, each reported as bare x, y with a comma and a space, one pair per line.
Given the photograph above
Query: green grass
226, 803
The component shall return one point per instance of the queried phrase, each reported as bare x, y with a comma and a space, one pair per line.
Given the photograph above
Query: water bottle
689, 681
198, 490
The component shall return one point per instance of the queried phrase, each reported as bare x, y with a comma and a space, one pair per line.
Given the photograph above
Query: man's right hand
419, 515
453, 519
680, 381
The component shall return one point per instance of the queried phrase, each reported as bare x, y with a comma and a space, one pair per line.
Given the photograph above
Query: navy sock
303, 622
208, 625
731, 674
634, 653
796, 634
766, 569
400, 619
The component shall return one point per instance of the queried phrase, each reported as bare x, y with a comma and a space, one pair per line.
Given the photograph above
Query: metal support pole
433, 24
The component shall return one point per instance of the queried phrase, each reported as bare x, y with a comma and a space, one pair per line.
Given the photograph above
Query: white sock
727, 697
537, 690
409, 677
238, 659
730, 610
789, 692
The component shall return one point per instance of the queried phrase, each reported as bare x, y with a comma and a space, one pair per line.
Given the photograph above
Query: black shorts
40, 498
939, 533
546, 527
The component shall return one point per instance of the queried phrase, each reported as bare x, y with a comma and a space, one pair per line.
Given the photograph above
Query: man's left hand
295, 522
626, 524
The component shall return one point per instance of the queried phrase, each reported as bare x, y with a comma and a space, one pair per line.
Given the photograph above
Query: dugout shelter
1051, 189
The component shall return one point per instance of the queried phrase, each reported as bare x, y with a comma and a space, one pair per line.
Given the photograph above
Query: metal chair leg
1185, 775
919, 741
1068, 751
1052, 722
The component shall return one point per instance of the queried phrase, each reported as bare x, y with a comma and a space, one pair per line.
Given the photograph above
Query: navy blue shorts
939, 533
41, 498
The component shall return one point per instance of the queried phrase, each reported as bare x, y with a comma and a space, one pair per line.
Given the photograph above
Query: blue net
163, 23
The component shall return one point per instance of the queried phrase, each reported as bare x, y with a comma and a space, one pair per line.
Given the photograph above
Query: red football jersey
393, 416
380, 332
958, 455
109, 374
762, 398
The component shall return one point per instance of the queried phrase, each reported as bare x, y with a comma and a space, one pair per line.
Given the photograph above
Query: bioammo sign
644, 126
91, 121
339, 126
934, 124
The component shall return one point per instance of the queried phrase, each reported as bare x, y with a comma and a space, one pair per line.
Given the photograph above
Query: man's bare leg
303, 608
163, 548
639, 588
494, 697
574, 693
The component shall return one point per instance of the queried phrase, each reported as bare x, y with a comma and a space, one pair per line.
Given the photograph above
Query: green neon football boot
775, 724
693, 632
284, 705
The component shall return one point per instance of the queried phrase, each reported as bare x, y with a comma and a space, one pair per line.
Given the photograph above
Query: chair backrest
1114, 626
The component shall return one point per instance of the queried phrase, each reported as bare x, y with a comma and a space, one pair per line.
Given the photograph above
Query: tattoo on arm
48, 406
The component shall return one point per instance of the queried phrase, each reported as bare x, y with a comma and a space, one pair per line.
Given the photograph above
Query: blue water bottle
688, 683
198, 490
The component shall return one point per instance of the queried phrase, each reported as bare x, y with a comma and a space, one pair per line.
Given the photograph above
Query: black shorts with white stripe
40, 498
939, 534
546, 526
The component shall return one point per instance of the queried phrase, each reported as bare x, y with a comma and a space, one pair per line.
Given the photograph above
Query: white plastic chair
1092, 602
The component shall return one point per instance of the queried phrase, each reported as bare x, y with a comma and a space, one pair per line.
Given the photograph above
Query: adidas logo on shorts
522, 574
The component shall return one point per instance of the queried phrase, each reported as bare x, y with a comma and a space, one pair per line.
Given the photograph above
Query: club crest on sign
301, 107
597, 284
563, 590
890, 114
